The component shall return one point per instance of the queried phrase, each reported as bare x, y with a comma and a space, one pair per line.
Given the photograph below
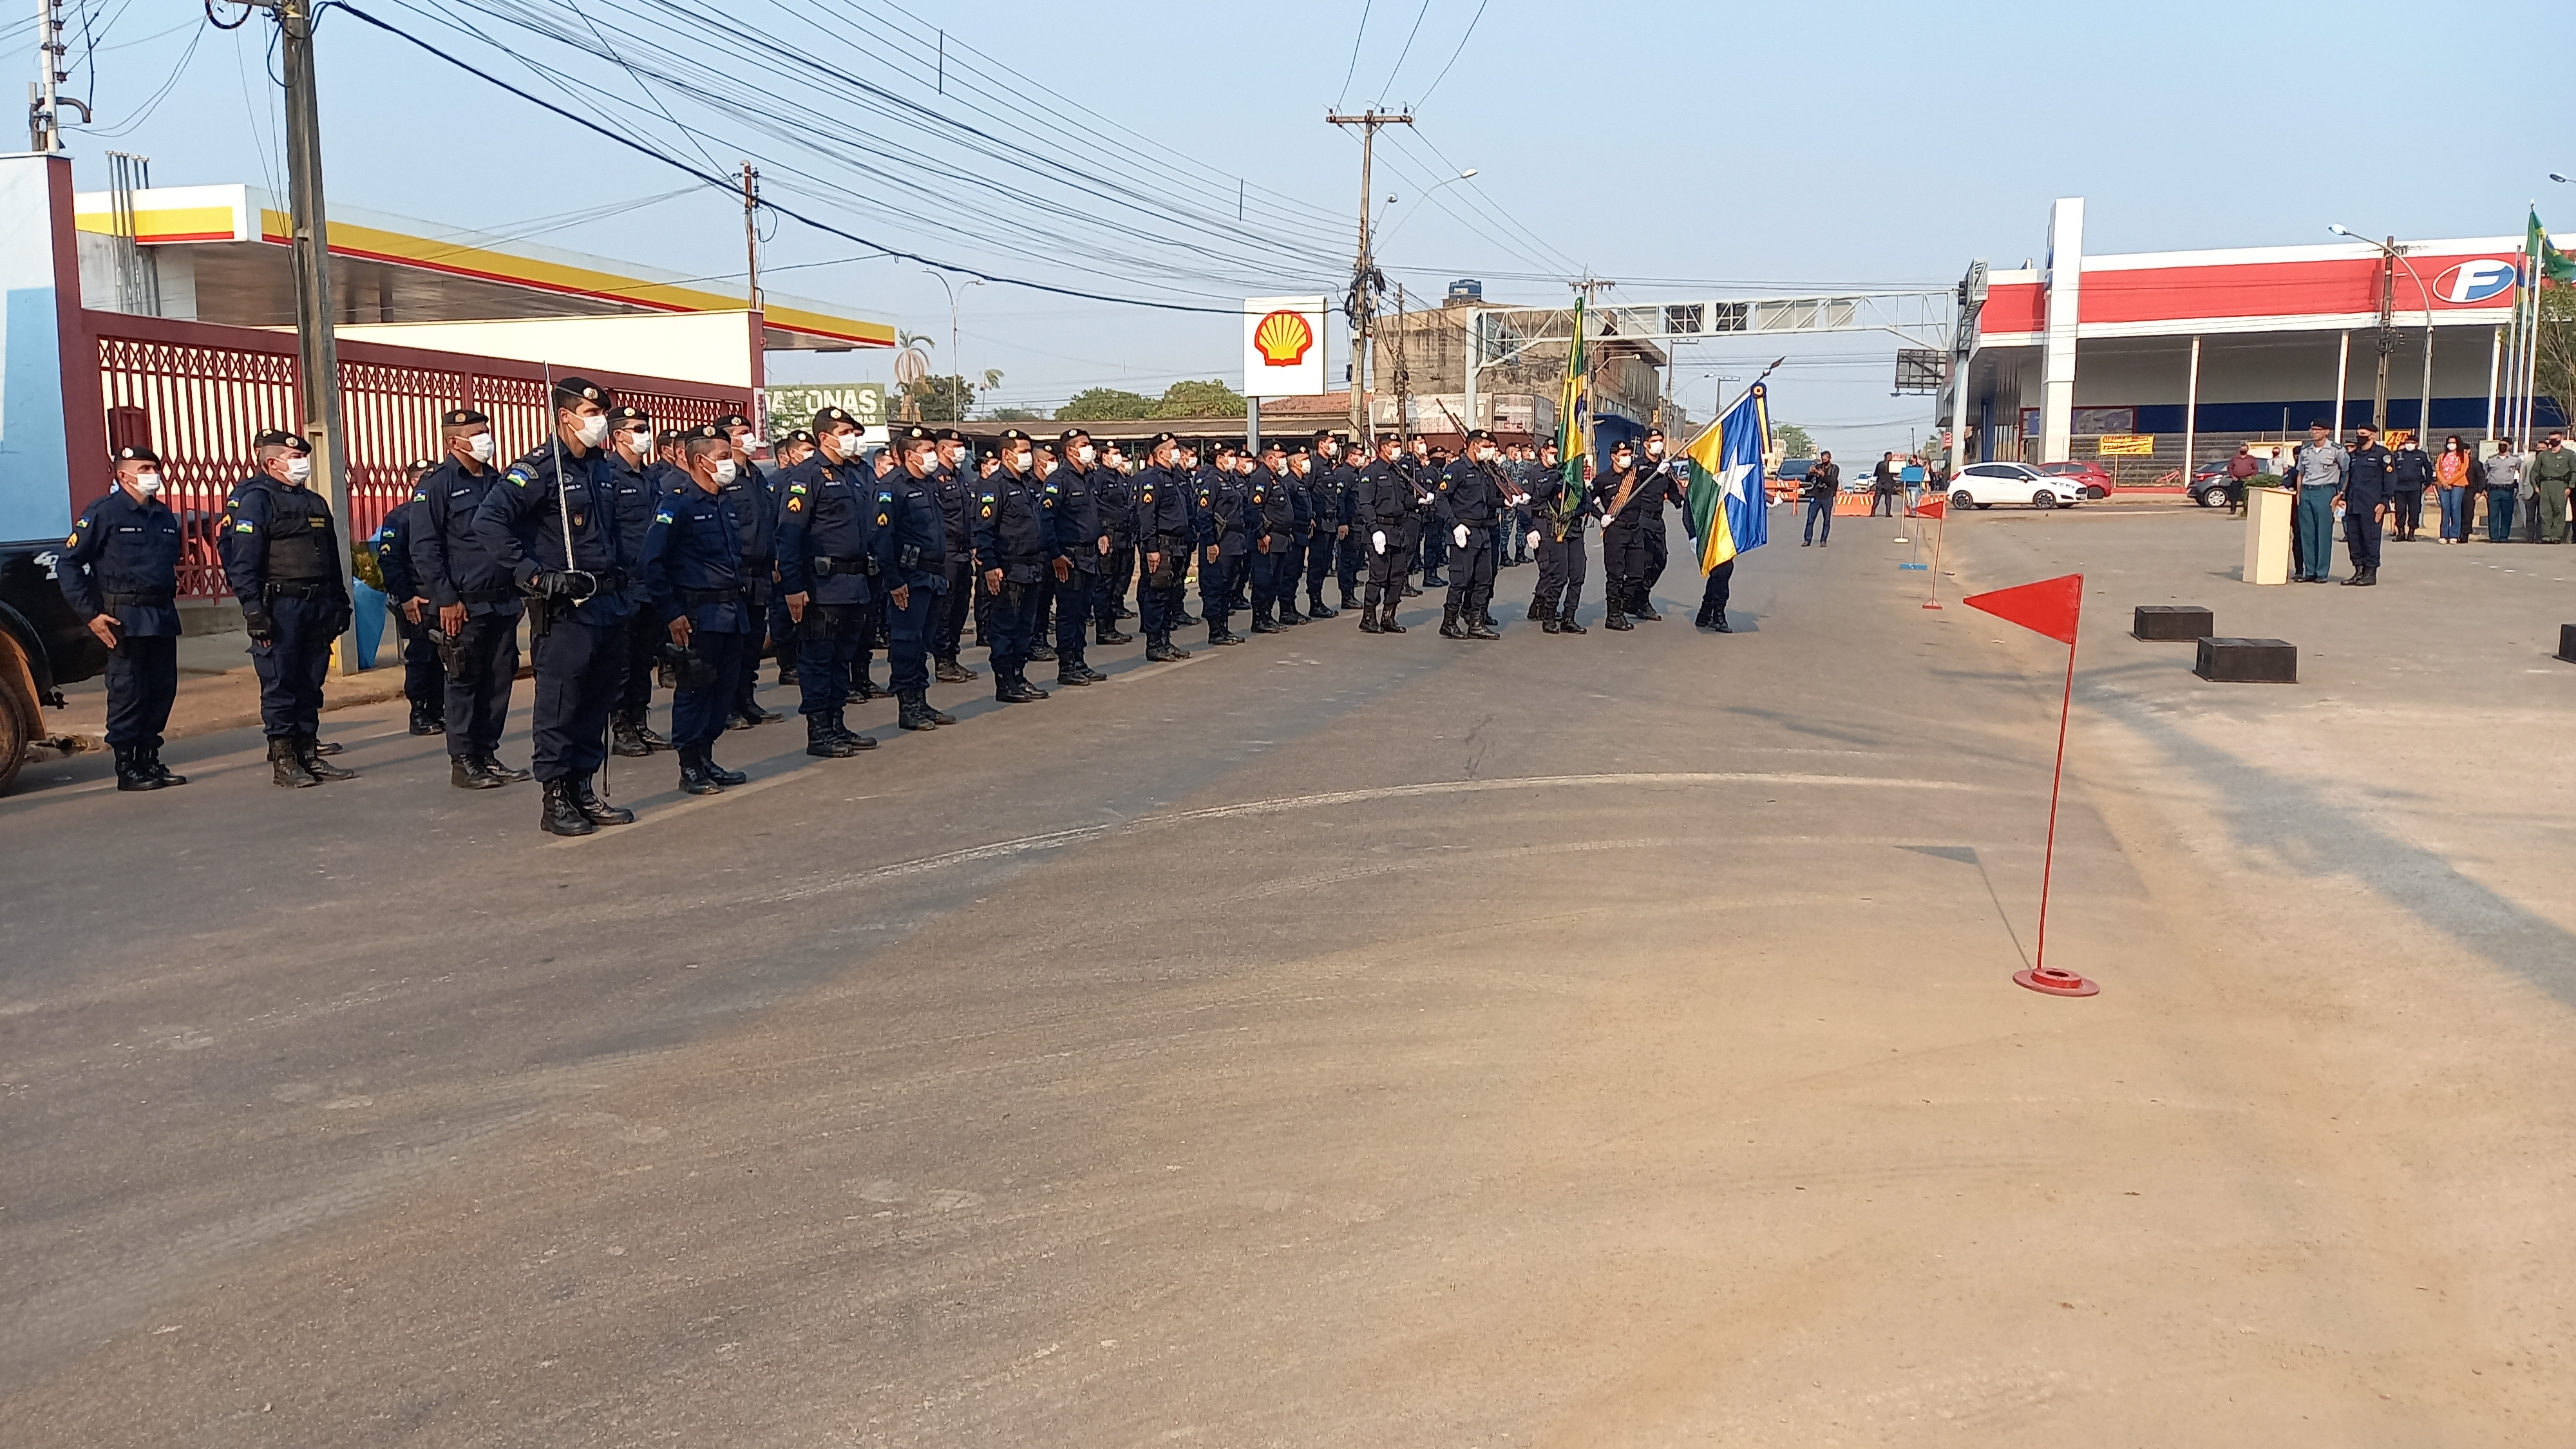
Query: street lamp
2424, 407
1466, 175
953, 359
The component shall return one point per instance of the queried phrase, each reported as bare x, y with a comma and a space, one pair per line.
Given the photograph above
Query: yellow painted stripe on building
174, 221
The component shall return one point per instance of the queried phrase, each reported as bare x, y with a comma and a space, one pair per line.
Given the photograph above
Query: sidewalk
217, 691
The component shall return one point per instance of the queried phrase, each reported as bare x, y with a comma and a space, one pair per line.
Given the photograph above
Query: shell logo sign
1283, 346
1282, 338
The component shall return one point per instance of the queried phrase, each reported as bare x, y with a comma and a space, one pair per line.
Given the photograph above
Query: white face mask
724, 471
1019, 462
148, 484
591, 431
639, 443
845, 446
480, 447
1654, 450
1087, 455
926, 462
299, 469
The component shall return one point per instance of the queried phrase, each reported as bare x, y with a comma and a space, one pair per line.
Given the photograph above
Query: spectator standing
2454, 473
1824, 484
2410, 472
1883, 486
2503, 483
2552, 473
2320, 468
2240, 468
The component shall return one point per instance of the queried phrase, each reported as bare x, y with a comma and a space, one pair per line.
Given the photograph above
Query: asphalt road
1343, 1040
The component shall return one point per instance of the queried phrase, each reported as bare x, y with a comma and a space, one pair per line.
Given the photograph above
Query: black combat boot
1071, 675
1483, 627
309, 752
592, 808
862, 689
559, 815
1162, 650
1106, 632
1185, 619
693, 772
324, 747
1717, 622
912, 711
493, 767
130, 774
1645, 608
950, 671
1368, 621
1410, 591
467, 773
1565, 622
1350, 601
1315, 608
1386, 618
855, 740
1262, 623
626, 736
1041, 652
286, 763
1219, 634
823, 741
750, 708
1449, 623
425, 721
718, 773
151, 759
1288, 615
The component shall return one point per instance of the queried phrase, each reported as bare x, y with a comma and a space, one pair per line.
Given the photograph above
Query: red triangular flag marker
1935, 506
2048, 607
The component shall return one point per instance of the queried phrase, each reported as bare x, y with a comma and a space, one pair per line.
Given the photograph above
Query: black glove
261, 628
551, 584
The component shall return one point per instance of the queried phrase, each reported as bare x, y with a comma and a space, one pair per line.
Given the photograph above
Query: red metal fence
197, 393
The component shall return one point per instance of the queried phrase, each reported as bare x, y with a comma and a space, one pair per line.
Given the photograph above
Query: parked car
2091, 477
1983, 485
2209, 486
43, 646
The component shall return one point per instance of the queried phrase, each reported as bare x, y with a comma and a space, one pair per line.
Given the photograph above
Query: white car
1983, 485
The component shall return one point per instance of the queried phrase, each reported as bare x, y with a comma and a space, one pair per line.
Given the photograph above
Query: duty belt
484, 596
825, 568
148, 598
709, 596
300, 590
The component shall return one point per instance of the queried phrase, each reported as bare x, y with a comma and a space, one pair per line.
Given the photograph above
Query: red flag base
1931, 606
2053, 982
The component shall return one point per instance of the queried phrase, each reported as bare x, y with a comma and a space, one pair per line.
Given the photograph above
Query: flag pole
2039, 977
1938, 534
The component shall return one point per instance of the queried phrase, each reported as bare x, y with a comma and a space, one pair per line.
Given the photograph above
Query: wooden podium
2267, 534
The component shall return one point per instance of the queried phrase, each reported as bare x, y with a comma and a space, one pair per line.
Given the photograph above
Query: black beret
1654, 432
1273, 445
1161, 438
733, 420
801, 435
712, 430
1014, 435
1070, 434
579, 390
830, 417
137, 455
280, 438
916, 433
1324, 435
1390, 441
628, 413
460, 417
1481, 436
950, 435
1228, 449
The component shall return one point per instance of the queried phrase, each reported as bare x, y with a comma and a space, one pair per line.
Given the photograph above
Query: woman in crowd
2455, 472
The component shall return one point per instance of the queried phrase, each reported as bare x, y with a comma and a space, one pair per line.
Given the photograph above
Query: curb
358, 692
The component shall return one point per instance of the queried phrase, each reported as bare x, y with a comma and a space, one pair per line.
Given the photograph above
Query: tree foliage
1105, 404
940, 399
1196, 399
1793, 441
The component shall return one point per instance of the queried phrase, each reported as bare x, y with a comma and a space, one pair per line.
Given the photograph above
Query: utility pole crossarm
1363, 298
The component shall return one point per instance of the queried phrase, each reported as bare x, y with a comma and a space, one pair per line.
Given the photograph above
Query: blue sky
1723, 148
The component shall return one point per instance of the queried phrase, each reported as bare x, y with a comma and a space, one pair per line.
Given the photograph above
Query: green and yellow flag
2548, 263
1571, 429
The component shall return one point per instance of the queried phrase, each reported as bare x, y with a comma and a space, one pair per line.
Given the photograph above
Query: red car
2087, 476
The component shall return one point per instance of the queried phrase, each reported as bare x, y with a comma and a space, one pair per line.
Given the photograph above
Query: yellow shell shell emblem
1283, 339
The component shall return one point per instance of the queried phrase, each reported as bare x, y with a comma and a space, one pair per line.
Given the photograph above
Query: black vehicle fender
59, 647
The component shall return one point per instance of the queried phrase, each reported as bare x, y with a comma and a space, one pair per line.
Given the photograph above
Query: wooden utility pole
1363, 299
310, 251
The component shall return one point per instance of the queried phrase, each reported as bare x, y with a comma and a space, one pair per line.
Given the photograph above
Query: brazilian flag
1727, 509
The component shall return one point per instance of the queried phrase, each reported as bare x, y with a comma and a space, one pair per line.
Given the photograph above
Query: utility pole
310, 252
45, 99
1403, 374
2387, 340
751, 233
1363, 299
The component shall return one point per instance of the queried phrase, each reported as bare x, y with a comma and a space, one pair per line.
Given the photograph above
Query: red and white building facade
2221, 347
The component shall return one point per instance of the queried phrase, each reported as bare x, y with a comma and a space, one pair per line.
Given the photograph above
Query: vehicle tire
2043, 499
1963, 499
2095, 492
2206, 497
18, 717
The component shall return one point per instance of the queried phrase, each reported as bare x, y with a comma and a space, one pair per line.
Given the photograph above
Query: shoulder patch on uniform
987, 497
73, 541
883, 497
796, 488
244, 528
520, 477
662, 517
796, 505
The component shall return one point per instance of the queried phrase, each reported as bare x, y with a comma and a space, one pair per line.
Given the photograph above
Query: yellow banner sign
2128, 445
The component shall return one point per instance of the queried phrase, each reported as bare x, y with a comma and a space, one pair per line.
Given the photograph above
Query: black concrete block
2173, 623
2567, 642
2248, 661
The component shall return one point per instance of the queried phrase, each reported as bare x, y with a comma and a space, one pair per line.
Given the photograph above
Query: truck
43, 646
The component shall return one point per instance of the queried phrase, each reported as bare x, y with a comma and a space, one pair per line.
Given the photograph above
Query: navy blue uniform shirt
1014, 531
449, 565
692, 562
830, 541
122, 560
275, 533
1162, 507
521, 525
1079, 524
920, 531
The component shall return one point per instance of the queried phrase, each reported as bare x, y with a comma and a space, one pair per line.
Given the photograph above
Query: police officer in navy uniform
1623, 491
955, 488
415, 622
791, 452
2366, 486
1224, 542
1289, 469
920, 575
1345, 558
1326, 498
1081, 544
629, 467
475, 601
1270, 516
1558, 511
1383, 517
831, 554
1014, 545
1665, 484
691, 564
581, 599
755, 513
1474, 500
282, 556
1165, 539
120, 572
873, 627
1118, 566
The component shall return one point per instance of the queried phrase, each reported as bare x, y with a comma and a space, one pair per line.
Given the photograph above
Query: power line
1401, 54
1353, 68
1453, 55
